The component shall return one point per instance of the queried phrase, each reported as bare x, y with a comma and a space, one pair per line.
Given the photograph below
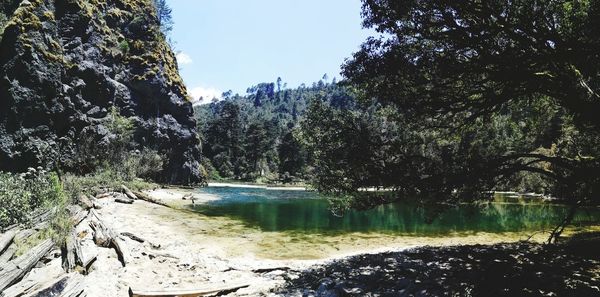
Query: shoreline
256, 186
185, 250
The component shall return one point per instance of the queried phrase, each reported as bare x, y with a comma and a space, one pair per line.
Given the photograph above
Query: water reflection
300, 211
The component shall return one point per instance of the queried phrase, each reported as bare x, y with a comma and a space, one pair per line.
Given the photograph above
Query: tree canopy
462, 97
257, 136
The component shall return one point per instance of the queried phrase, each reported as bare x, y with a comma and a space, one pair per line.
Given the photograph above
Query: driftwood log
124, 200
133, 237
40, 219
71, 253
77, 213
128, 192
6, 239
14, 270
139, 239
270, 269
7, 254
95, 203
105, 237
70, 285
103, 195
85, 202
187, 293
89, 255
67, 252
40, 216
147, 198
11, 249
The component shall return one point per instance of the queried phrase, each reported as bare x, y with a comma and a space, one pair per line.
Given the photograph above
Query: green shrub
145, 164
124, 46
15, 199
114, 162
105, 179
60, 223
21, 194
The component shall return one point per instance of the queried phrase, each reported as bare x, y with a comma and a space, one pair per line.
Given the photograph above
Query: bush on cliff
3, 21
20, 194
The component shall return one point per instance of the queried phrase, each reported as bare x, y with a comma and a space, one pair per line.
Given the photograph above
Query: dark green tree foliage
258, 143
164, 15
268, 117
483, 94
292, 156
222, 141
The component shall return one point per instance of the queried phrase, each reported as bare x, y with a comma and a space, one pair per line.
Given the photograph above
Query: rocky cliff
65, 64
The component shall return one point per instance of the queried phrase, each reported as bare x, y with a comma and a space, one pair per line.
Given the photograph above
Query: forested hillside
257, 136
337, 139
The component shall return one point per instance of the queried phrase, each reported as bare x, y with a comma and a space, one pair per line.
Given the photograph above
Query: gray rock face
64, 64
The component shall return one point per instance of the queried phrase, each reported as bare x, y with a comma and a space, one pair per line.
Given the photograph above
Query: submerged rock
65, 63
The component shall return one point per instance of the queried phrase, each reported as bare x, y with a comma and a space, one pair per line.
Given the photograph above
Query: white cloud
184, 59
201, 95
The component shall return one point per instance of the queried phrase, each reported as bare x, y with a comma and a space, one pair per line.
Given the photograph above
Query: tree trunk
555, 234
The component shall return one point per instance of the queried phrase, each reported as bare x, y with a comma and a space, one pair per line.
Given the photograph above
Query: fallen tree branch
266, 270
139, 239
133, 237
187, 293
124, 200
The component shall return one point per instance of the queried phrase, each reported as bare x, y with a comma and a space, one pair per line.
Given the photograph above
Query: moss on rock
63, 60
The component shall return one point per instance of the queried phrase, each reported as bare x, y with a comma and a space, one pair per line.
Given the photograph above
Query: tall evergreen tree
164, 16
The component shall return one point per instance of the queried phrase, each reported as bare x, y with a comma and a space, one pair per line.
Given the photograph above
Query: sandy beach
186, 250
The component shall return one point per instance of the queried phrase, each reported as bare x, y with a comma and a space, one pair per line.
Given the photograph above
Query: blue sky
234, 44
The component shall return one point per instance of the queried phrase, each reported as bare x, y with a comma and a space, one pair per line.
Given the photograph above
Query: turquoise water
300, 211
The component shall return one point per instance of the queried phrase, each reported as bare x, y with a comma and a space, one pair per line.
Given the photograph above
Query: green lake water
307, 212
